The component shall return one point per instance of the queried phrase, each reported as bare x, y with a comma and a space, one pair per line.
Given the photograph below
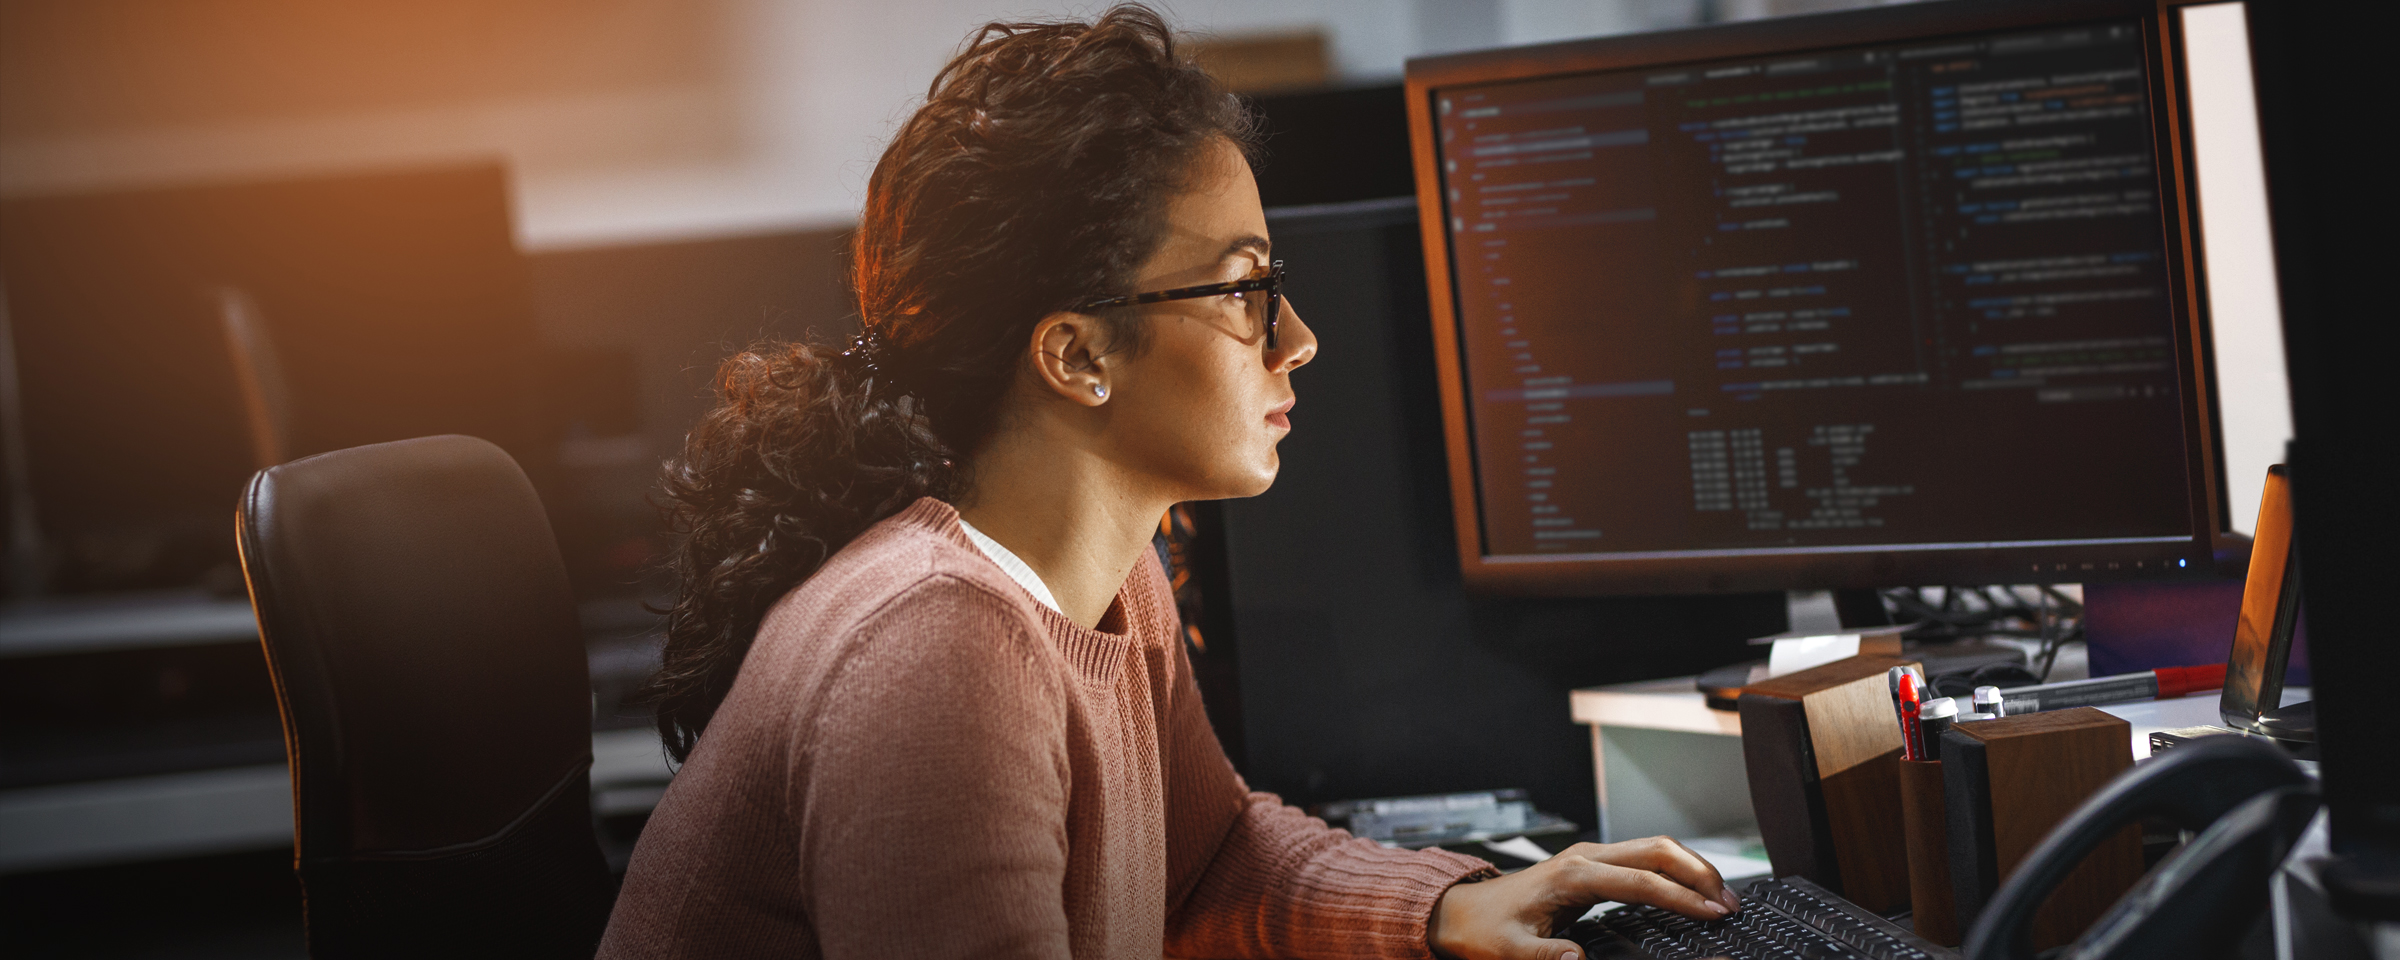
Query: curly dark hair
1035, 177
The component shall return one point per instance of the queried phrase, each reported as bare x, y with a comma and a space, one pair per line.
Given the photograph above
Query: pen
2164, 683
1912, 747
1893, 677
1933, 718
1987, 700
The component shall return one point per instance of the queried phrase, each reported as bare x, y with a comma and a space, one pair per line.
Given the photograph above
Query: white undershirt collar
1011, 565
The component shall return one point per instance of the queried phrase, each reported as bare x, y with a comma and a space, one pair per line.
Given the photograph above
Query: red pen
1909, 724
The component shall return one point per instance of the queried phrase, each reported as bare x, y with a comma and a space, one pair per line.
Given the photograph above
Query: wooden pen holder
1922, 824
2006, 783
1822, 749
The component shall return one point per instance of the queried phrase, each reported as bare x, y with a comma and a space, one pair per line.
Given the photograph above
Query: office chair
436, 709
2249, 803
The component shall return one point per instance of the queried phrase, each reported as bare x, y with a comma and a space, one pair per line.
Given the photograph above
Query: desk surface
130, 819
1670, 704
2151, 716
1675, 704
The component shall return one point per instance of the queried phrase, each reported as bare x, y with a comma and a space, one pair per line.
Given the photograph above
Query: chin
1253, 483
1231, 478
1268, 471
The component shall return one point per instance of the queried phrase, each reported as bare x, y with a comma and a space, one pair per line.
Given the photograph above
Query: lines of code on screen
1907, 294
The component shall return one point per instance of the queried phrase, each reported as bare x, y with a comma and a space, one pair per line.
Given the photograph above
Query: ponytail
802, 453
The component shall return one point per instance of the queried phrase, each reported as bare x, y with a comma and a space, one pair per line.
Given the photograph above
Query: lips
1277, 415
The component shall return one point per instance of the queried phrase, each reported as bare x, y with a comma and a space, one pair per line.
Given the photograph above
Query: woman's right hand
1516, 917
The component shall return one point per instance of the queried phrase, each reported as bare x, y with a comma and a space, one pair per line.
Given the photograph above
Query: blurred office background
240, 231
619, 120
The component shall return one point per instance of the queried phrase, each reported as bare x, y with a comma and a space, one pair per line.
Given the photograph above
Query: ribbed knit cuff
1431, 873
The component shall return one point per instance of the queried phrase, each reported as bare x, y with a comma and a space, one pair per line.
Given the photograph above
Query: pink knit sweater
919, 760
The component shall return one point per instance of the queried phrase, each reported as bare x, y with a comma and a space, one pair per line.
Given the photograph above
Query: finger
1722, 892
1588, 880
1635, 885
1668, 856
1528, 947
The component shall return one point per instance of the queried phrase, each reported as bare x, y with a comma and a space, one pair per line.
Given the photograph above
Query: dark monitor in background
1363, 667
1337, 145
1338, 652
168, 340
1879, 297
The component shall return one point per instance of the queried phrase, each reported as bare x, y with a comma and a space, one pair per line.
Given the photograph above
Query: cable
2051, 618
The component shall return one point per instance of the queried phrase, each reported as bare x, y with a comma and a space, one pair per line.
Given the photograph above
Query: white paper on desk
1794, 654
1734, 866
1518, 847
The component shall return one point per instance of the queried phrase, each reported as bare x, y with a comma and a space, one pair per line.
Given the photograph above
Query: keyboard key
1782, 922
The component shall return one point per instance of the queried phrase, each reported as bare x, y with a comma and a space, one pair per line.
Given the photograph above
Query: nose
1295, 343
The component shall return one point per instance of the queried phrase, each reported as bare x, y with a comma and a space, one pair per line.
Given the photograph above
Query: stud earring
1100, 390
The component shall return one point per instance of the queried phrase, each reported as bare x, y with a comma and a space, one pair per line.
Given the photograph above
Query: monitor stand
1852, 611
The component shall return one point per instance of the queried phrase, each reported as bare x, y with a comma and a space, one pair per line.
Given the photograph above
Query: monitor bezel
1904, 563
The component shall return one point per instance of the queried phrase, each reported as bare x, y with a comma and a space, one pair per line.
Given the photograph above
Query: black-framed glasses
1262, 293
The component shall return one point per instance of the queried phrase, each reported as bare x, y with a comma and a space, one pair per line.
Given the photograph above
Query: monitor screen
1878, 312
380, 305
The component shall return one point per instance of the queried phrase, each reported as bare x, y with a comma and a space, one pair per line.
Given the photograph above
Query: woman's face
1201, 410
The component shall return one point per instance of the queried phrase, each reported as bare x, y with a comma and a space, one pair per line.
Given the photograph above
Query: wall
2253, 403
622, 120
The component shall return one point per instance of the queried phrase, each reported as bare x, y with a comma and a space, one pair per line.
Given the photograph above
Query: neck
1079, 521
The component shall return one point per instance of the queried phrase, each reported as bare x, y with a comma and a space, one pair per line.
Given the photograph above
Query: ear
1070, 358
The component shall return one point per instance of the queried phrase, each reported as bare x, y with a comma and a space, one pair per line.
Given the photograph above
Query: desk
244, 808
1664, 763
142, 815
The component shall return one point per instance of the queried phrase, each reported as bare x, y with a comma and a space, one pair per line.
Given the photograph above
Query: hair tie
865, 352
865, 359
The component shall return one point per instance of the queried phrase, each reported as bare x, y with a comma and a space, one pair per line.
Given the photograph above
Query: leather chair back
436, 703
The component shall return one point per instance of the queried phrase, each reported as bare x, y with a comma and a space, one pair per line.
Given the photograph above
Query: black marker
1933, 718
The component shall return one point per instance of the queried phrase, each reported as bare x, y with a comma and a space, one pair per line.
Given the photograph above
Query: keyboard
1787, 919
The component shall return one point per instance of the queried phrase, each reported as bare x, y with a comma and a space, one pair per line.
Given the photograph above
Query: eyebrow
1249, 244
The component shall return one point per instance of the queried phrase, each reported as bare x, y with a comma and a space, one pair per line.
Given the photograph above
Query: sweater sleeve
1251, 876
930, 787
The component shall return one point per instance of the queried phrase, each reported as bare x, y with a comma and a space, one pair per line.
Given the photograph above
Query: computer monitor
1888, 296
374, 306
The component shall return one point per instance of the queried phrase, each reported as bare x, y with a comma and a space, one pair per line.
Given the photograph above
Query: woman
925, 673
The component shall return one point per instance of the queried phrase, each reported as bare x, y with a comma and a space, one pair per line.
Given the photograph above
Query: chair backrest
436, 703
